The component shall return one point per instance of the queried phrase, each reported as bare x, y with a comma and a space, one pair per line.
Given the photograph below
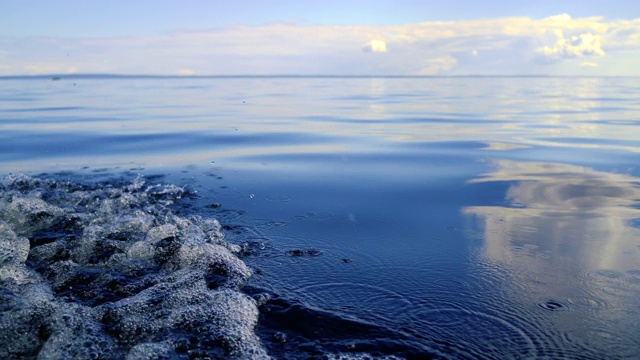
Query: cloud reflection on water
568, 236
564, 210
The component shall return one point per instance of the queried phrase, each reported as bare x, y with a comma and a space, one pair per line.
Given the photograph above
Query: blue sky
320, 37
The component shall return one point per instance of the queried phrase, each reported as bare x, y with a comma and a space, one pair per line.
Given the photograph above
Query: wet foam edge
110, 271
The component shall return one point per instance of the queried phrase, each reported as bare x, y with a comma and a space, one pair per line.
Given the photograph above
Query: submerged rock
304, 252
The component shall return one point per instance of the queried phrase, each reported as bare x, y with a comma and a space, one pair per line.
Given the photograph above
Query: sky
320, 37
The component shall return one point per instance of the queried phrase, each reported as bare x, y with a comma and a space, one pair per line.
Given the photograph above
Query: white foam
210, 257
26, 306
187, 304
123, 275
145, 351
13, 249
76, 334
29, 214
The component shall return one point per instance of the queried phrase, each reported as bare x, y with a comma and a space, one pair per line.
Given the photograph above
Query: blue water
470, 217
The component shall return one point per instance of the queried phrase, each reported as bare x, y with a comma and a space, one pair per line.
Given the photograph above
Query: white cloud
588, 64
491, 46
559, 18
582, 45
375, 46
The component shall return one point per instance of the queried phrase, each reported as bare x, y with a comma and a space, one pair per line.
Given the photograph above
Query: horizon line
55, 76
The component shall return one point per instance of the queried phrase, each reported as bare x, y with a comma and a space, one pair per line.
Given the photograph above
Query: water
387, 217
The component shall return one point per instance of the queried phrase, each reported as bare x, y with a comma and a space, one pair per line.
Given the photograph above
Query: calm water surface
460, 217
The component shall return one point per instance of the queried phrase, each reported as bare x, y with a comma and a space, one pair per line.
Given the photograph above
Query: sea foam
110, 271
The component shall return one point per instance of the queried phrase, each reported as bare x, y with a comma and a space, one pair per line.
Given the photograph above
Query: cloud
518, 45
589, 64
582, 45
559, 18
375, 46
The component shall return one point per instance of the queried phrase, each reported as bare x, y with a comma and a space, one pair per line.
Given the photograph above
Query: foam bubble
13, 250
187, 305
145, 351
77, 334
29, 214
109, 271
25, 311
214, 259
